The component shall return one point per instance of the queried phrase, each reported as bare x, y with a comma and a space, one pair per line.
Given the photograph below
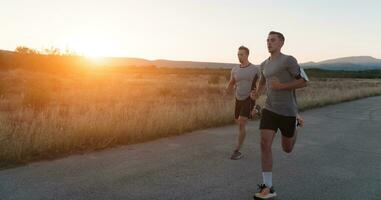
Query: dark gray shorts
274, 121
244, 107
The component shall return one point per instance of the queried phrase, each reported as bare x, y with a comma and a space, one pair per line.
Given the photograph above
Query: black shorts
244, 107
274, 121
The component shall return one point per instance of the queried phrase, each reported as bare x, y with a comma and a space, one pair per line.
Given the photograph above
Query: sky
197, 30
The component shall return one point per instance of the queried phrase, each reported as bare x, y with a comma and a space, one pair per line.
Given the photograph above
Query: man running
281, 75
243, 78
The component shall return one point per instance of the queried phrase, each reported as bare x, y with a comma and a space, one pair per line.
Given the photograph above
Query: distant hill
353, 63
139, 62
5, 52
163, 63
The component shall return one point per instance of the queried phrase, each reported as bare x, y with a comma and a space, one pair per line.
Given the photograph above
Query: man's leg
268, 127
267, 137
242, 121
289, 133
288, 143
242, 113
266, 189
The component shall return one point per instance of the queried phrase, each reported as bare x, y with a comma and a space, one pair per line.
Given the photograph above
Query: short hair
244, 48
280, 35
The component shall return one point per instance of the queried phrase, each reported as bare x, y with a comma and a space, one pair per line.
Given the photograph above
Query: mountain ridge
351, 63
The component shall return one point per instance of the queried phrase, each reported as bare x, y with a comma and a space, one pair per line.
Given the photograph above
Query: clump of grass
214, 79
37, 97
2, 89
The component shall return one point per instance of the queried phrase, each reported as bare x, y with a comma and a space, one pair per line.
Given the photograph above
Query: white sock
268, 179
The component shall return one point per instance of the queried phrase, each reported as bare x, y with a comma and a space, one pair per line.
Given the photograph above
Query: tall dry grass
45, 116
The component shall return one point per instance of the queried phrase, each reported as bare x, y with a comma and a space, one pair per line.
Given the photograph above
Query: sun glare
90, 46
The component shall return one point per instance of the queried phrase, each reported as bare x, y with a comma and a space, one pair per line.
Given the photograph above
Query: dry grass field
45, 116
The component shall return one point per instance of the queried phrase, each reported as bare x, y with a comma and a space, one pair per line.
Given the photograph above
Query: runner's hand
276, 84
254, 95
226, 92
300, 120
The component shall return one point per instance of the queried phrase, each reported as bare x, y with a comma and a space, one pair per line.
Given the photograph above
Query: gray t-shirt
286, 69
244, 78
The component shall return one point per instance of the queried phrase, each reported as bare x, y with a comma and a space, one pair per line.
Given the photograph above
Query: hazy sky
199, 30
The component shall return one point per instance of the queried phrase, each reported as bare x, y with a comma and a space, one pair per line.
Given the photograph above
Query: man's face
242, 56
274, 43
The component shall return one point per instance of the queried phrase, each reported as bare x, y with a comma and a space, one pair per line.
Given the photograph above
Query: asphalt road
337, 156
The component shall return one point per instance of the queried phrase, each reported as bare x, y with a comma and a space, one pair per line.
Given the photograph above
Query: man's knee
266, 140
242, 121
287, 149
288, 144
265, 145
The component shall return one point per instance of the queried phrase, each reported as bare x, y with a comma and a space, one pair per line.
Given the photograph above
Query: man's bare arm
229, 88
260, 88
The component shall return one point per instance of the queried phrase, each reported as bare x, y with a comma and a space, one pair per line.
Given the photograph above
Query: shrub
214, 79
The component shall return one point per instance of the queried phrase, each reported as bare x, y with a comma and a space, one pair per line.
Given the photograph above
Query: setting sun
90, 45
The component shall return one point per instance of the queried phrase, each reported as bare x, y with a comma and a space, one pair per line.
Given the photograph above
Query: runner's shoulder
255, 68
262, 65
290, 59
264, 62
235, 67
